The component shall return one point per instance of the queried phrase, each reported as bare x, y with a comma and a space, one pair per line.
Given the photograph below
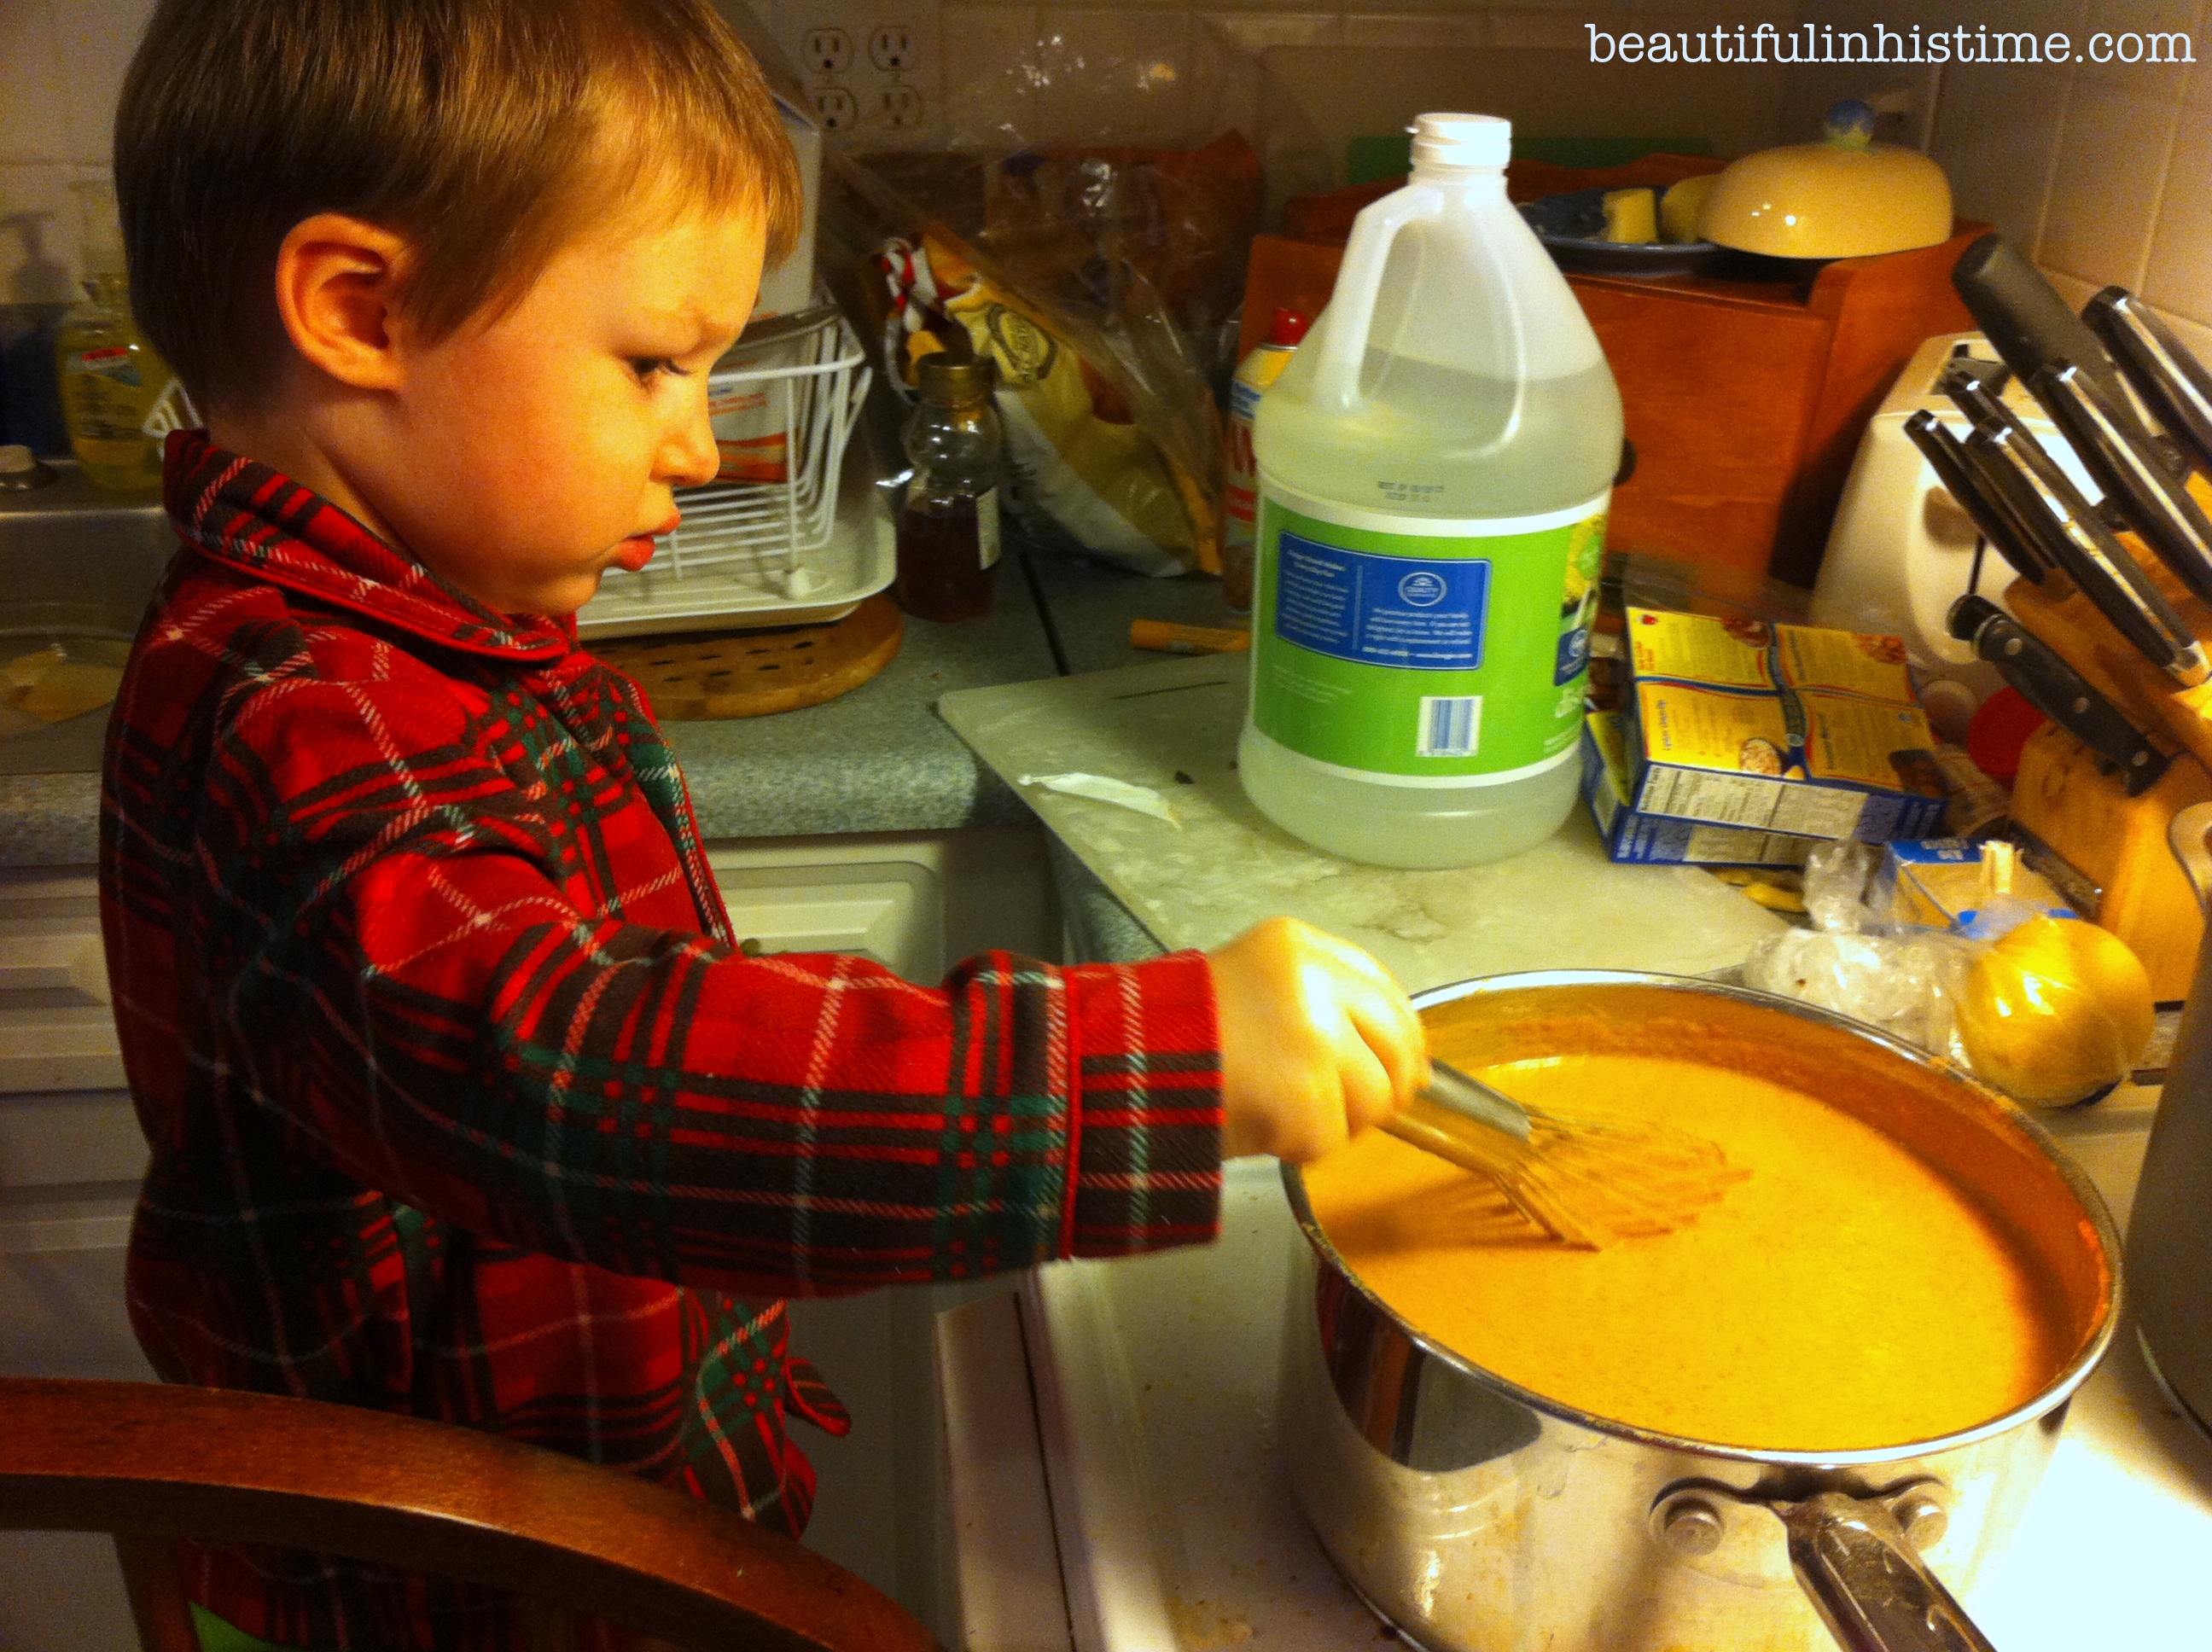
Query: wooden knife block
1746, 399
2119, 842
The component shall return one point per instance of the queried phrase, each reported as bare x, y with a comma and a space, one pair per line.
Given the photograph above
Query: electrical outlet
890, 48
826, 50
871, 67
834, 107
898, 107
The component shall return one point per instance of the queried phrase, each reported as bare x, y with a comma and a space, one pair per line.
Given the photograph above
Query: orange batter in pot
1846, 1295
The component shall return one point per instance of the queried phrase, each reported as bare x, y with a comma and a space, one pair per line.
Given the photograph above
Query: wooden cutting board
713, 674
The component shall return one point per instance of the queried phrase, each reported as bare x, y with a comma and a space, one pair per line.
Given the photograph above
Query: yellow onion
2056, 1010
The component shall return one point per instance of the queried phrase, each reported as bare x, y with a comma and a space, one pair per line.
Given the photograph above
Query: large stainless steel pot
2170, 1230
1479, 1516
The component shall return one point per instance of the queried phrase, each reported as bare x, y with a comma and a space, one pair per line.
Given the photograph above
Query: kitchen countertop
878, 759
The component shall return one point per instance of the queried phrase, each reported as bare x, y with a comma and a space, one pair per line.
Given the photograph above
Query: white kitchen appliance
1902, 550
801, 544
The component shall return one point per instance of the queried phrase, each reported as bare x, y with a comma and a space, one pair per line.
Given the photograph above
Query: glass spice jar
948, 531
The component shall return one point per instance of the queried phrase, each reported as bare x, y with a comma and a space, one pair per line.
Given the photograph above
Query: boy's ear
337, 290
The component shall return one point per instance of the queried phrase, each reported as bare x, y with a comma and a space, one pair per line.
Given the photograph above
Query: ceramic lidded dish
1846, 196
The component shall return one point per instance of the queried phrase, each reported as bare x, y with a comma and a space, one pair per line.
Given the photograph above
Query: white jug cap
1461, 140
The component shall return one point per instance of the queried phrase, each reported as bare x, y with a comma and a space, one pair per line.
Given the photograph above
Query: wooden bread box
1744, 397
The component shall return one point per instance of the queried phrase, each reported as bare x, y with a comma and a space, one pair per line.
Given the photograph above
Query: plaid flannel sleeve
408, 982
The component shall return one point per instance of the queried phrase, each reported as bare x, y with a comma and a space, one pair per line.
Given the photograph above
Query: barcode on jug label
1451, 724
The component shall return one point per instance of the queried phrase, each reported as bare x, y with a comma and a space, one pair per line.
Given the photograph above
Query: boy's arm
453, 1031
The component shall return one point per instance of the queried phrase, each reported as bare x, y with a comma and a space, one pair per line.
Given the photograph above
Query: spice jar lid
952, 382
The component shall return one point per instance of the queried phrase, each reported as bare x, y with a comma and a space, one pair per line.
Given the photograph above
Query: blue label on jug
1413, 613
1574, 655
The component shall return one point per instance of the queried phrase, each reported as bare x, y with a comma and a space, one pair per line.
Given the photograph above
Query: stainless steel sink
74, 563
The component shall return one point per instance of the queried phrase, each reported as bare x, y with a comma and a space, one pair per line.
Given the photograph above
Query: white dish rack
801, 550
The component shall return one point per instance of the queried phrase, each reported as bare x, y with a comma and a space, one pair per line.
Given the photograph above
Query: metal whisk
1585, 1183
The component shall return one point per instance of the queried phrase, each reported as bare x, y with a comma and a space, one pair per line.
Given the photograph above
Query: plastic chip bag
1086, 220
1081, 464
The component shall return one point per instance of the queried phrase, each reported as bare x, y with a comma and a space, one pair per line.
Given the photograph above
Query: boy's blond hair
488, 133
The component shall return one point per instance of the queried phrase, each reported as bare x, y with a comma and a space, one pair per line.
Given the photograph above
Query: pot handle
1859, 1570
2186, 833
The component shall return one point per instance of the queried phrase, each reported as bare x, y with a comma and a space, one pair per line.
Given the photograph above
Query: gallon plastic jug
1435, 467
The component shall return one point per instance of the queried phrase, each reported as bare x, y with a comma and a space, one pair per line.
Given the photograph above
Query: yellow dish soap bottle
118, 398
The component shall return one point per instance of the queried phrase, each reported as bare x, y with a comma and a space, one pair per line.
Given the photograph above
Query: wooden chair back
151, 1463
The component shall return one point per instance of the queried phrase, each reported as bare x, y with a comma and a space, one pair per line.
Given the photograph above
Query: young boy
462, 1103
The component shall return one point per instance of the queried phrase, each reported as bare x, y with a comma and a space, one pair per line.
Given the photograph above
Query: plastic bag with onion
2043, 1006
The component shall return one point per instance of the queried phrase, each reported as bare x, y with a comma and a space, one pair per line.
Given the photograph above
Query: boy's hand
1317, 1041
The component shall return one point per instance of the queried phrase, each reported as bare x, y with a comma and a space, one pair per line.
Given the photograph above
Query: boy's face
539, 450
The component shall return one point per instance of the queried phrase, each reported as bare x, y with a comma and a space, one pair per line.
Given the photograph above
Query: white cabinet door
70, 1161
70, 1153
919, 902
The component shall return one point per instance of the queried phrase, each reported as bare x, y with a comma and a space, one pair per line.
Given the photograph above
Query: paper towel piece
1106, 789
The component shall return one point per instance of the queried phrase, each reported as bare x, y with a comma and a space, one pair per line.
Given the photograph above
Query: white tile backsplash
2104, 172
94, 40
2195, 336
2177, 278
1996, 137
32, 86
2166, 80
2114, 148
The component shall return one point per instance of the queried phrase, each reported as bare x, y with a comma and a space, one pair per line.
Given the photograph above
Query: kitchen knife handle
2005, 480
2172, 383
1947, 457
1973, 388
2153, 502
2054, 688
2085, 549
2022, 316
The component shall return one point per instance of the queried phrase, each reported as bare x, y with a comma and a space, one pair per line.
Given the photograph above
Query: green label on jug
1410, 649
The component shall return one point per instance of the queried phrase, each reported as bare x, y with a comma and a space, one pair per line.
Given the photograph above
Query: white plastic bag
1853, 961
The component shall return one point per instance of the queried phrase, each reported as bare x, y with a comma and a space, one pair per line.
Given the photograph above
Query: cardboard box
1937, 881
788, 287
1778, 728
1633, 836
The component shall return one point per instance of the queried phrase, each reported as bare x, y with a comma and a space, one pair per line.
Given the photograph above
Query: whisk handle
1455, 1092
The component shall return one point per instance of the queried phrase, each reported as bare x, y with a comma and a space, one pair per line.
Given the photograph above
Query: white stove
1114, 1485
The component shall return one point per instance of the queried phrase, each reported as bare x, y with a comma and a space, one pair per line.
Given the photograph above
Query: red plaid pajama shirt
462, 1103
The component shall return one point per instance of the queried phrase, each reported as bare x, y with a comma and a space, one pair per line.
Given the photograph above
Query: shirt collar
262, 522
